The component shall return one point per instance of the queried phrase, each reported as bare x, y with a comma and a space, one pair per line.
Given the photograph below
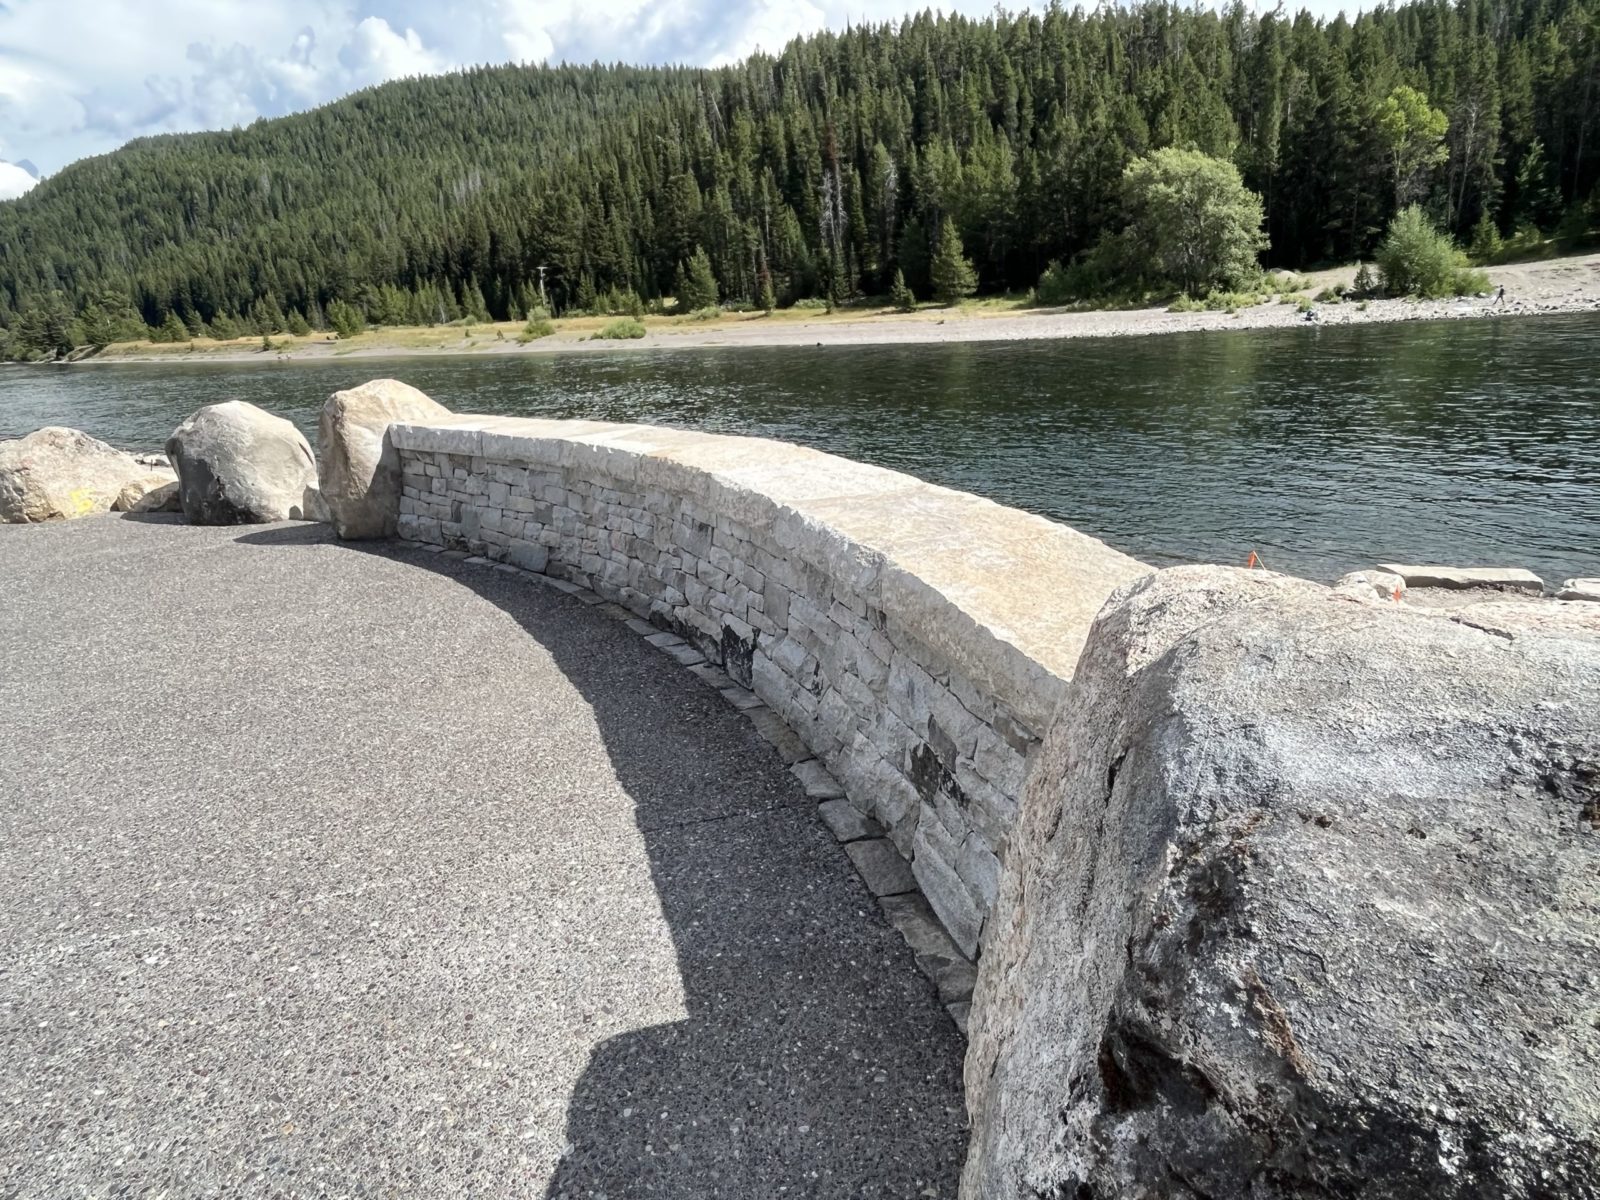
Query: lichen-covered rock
358, 470
1304, 901
240, 465
55, 474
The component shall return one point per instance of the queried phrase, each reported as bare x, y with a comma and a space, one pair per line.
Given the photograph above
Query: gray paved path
332, 872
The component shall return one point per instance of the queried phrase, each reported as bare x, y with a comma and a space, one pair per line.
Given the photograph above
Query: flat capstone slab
352, 871
1515, 579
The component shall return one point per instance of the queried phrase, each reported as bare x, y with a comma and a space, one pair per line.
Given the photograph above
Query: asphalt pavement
330, 870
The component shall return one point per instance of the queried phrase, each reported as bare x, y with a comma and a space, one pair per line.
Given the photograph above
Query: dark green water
1323, 449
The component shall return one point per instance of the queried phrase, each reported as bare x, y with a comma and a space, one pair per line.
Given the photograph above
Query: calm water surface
1323, 449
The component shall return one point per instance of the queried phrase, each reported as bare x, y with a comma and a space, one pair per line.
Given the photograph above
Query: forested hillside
816, 172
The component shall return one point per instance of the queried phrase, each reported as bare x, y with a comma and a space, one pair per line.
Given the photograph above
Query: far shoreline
1553, 287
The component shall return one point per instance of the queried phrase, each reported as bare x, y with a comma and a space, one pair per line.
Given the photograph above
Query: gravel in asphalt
344, 871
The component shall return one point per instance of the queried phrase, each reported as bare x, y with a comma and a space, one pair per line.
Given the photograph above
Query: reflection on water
1322, 449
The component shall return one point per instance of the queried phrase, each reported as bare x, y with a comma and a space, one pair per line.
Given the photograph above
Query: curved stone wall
917, 639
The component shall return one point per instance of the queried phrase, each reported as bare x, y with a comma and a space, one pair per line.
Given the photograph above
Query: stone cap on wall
1007, 597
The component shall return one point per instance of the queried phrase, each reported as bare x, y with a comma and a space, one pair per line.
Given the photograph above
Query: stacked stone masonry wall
810, 618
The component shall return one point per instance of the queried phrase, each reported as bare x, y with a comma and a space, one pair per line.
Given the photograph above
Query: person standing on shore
1500, 296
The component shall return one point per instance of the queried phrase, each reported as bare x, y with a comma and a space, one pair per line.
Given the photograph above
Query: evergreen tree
472, 303
696, 286
45, 327
1486, 239
953, 275
822, 169
1538, 201
346, 320
900, 295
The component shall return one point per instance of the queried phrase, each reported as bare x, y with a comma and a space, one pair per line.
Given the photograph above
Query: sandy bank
1568, 285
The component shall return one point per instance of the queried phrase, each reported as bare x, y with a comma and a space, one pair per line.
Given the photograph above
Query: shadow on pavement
815, 1060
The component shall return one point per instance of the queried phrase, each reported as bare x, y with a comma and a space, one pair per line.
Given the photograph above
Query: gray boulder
155, 492
240, 465
1304, 901
55, 474
358, 471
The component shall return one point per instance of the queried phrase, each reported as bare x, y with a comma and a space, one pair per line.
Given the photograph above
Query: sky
81, 77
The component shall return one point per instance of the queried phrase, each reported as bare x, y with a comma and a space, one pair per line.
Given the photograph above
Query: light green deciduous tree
1412, 131
1192, 219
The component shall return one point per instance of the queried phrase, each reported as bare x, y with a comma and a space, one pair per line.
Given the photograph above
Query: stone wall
917, 639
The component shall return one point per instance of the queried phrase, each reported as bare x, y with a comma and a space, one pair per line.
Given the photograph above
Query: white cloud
376, 53
80, 77
14, 181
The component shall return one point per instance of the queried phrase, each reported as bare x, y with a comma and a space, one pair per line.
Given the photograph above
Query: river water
1468, 442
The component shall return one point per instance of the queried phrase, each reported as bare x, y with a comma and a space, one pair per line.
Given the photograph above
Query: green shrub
1055, 286
1416, 259
536, 328
1305, 303
619, 330
1331, 295
1229, 301
1184, 303
709, 312
811, 303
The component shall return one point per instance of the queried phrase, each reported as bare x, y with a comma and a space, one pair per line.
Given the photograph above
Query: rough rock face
155, 491
240, 465
359, 473
1304, 901
55, 474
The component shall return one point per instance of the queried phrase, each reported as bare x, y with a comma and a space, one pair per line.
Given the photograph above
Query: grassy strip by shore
1565, 285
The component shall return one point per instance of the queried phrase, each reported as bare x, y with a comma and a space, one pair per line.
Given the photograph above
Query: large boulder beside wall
55, 474
1304, 901
240, 465
358, 470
